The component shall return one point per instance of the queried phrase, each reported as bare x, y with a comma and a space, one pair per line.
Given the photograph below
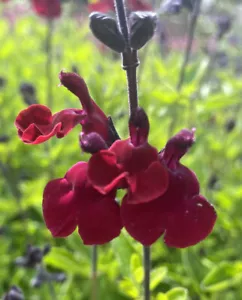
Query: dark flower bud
14, 293
28, 93
223, 25
92, 142
46, 249
222, 59
212, 182
105, 29
138, 127
171, 7
230, 124
142, 28
32, 257
2, 82
4, 138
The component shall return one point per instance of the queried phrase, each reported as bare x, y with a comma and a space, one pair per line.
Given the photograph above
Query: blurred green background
209, 100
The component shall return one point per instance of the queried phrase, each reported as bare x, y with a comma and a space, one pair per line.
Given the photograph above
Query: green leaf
177, 293
156, 276
224, 276
128, 288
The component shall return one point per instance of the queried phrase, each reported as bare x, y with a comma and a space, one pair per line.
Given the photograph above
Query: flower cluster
161, 195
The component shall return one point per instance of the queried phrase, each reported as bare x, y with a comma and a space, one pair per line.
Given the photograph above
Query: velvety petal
77, 174
96, 120
176, 147
148, 185
99, 218
191, 224
33, 136
143, 221
59, 207
37, 114
76, 84
104, 172
68, 118
134, 159
47, 8
36, 124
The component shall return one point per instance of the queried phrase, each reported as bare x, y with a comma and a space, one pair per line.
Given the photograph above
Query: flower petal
98, 218
59, 207
143, 221
148, 185
47, 9
104, 172
36, 124
191, 224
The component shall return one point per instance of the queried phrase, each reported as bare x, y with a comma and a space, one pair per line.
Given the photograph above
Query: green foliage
210, 270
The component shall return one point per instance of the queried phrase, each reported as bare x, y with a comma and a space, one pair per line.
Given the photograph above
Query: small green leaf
128, 288
223, 276
156, 276
177, 293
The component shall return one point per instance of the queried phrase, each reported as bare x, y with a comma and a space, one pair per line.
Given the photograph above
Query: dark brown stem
146, 263
192, 27
94, 272
129, 56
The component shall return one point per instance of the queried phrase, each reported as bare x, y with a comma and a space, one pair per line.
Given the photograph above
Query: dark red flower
47, 8
72, 202
183, 215
107, 5
131, 164
36, 124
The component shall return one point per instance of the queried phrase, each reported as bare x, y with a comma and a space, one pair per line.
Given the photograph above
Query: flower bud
172, 7
28, 93
14, 293
105, 29
138, 127
142, 28
223, 25
92, 142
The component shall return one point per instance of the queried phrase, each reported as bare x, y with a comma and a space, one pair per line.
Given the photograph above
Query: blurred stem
129, 56
187, 54
49, 83
94, 272
49, 60
146, 263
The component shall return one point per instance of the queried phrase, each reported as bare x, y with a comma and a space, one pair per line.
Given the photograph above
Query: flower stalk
94, 272
191, 31
129, 56
146, 263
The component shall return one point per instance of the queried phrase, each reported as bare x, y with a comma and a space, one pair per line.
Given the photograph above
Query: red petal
68, 118
76, 84
47, 8
33, 136
77, 174
191, 224
35, 113
104, 172
99, 218
59, 207
148, 185
143, 221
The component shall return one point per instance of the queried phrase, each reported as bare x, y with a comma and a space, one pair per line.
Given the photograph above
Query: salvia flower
47, 8
37, 124
162, 195
183, 215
